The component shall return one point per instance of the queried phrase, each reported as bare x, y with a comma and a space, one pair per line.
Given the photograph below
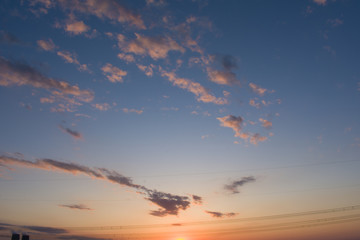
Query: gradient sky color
180, 120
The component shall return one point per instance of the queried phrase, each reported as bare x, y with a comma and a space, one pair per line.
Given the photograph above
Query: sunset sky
180, 119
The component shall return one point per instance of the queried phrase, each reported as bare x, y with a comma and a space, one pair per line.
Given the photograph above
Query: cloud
235, 123
256, 89
156, 3
156, 47
76, 237
265, 123
148, 70
197, 199
76, 206
71, 58
254, 104
74, 134
110, 9
6, 37
330, 50
128, 58
320, 2
49, 230
101, 106
335, 22
76, 27
132, 110
221, 215
233, 187
113, 73
47, 45
169, 204
222, 77
202, 94
20, 74
256, 138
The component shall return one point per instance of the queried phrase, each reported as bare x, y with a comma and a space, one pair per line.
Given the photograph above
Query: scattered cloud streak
76, 206
76, 135
202, 94
71, 58
156, 47
132, 110
169, 204
256, 89
221, 215
234, 186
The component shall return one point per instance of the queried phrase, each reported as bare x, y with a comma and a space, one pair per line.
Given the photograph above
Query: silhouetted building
15, 236
25, 237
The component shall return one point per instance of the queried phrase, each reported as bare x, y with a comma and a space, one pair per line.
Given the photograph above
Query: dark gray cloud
76, 206
228, 62
197, 199
221, 215
73, 133
75, 237
169, 204
233, 187
50, 230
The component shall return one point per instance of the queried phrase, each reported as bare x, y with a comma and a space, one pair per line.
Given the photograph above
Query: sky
180, 120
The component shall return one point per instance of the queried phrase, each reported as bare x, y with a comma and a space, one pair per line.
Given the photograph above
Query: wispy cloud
101, 106
71, 58
256, 89
148, 70
221, 215
132, 110
76, 135
233, 187
169, 204
76, 206
110, 9
21, 74
197, 199
114, 74
265, 123
320, 2
202, 94
156, 47
335, 22
47, 45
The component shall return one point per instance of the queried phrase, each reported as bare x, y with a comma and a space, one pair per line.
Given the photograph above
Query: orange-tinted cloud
101, 106
114, 74
76, 27
320, 2
222, 77
71, 58
156, 47
202, 94
47, 45
132, 110
256, 89
265, 123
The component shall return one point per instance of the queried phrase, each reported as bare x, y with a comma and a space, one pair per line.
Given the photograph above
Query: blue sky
124, 113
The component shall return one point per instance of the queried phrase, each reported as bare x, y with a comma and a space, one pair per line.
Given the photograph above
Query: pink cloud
47, 45
71, 58
156, 47
256, 89
222, 77
320, 2
132, 110
197, 89
265, 123
113, 73
76, 27
101, 106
